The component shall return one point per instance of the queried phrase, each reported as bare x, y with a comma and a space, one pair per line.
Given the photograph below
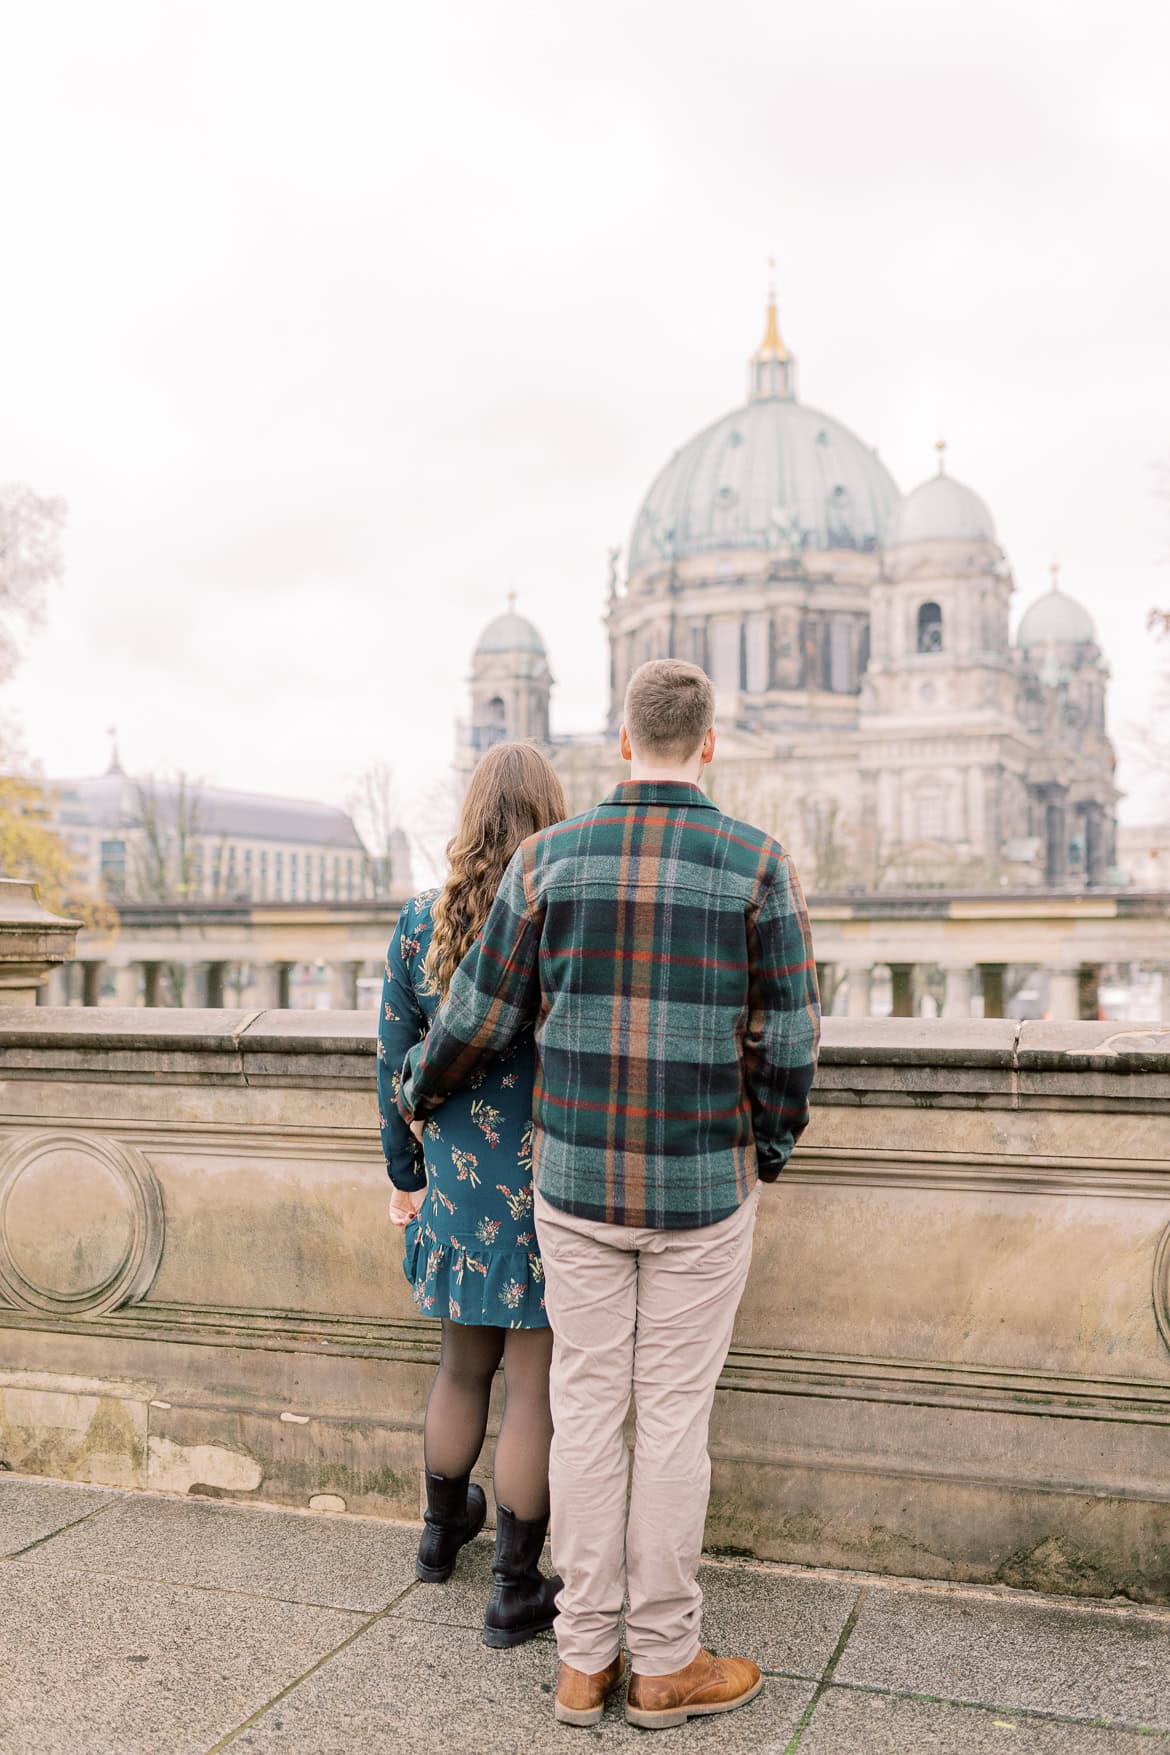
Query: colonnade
1072, 992
209, 984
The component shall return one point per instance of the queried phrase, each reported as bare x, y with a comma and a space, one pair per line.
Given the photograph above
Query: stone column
208, 990
32, 942
127, 984
991, 976
151, 983
1088, 978
957, 998
345, 980
857, 998
1063, 994
902, 990
275, 980
91, 981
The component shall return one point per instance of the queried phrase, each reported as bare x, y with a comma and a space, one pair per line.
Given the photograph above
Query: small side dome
1058, 618
941, 510
510, 633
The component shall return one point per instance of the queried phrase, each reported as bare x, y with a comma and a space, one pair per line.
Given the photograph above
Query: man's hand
404, 1205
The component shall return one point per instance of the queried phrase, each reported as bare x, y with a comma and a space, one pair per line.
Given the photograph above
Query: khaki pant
647, 1313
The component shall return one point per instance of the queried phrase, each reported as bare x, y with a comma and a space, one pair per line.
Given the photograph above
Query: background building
154, 841
874, 711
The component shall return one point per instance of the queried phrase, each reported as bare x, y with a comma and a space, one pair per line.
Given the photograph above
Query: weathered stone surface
1108, 1665
852, 1723
404, 1688
74, 1429
32, 1510
953, 1357
97, 1665
349, 1563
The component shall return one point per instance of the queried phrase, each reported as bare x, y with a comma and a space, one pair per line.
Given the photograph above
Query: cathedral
874, 712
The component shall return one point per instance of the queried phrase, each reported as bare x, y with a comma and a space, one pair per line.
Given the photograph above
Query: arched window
493, 724
930, 632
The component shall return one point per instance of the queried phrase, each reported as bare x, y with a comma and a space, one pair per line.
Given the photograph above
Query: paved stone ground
136, 1623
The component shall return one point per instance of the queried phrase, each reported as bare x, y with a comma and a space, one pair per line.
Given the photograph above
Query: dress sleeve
400, 1026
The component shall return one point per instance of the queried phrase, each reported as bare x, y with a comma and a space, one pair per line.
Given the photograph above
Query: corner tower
510, 685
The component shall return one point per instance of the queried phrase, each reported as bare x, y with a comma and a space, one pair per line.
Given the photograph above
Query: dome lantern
771, 369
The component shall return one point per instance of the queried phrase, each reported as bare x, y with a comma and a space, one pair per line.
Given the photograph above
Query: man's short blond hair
670, 707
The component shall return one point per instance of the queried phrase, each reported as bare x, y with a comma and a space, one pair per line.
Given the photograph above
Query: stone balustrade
952, 1360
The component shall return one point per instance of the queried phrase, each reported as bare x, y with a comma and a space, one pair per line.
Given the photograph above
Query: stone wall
952, 1361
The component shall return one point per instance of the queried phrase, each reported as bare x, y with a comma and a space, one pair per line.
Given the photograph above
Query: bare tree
374, 807
164, 860
165, 866
30, 561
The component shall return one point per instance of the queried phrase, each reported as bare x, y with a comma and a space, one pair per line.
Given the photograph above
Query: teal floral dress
471, 1253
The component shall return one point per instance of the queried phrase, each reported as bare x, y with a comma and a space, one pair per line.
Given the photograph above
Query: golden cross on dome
940, 446
512, 602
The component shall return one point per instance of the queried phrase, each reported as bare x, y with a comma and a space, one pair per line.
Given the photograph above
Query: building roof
115, 800
510, 633
941, 509
1058, 618
772, 472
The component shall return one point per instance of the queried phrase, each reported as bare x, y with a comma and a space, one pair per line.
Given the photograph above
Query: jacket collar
679, 793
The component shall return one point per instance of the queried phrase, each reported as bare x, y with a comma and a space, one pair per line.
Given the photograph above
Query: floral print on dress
471, 1251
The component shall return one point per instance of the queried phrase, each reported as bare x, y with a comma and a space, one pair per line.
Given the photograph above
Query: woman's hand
404, 1205
418, 1127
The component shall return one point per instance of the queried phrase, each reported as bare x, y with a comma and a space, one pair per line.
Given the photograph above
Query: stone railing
952, 1361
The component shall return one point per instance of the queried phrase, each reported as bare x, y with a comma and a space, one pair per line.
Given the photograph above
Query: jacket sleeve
494, 993
400, 1026
784, 1021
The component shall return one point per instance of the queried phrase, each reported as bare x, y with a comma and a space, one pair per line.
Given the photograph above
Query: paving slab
340, 1562
849, 1723
1079, 1662
31, 1510
785, 1622
409, 1688
112, 1666
789, 1625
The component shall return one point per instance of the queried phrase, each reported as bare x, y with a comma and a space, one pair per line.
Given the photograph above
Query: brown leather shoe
707, 1685
580, 1698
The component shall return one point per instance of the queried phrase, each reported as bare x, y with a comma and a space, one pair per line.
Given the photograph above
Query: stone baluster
33, 942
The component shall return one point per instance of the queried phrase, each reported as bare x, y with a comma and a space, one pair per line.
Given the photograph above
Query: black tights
457, 1411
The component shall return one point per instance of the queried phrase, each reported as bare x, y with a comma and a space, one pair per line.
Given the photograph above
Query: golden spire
511, 602
940, 446
1054, 571
772, 369
772, 348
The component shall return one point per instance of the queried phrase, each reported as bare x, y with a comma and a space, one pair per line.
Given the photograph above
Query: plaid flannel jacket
664, 951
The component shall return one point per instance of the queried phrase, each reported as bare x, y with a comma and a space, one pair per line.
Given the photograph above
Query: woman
471, 1252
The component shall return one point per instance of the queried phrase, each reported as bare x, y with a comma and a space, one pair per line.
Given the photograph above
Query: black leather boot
523, 1601
454, 1516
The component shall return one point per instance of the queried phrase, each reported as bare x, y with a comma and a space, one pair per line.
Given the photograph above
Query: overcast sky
334, 323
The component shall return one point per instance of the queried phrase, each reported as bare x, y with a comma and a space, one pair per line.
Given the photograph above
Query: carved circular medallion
81, 1224
1162, 1286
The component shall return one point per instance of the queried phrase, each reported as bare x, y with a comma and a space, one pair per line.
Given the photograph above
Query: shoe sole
500, 1639
584, 1716
433, 1574
664, 1721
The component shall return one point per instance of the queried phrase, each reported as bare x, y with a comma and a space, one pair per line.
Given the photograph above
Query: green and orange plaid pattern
663, 950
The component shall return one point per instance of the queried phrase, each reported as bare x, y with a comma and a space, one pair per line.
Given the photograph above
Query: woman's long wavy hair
513, 792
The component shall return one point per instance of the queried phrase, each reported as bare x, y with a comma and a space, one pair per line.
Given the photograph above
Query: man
664, 950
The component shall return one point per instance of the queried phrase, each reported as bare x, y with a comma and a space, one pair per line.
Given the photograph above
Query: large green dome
771, 474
